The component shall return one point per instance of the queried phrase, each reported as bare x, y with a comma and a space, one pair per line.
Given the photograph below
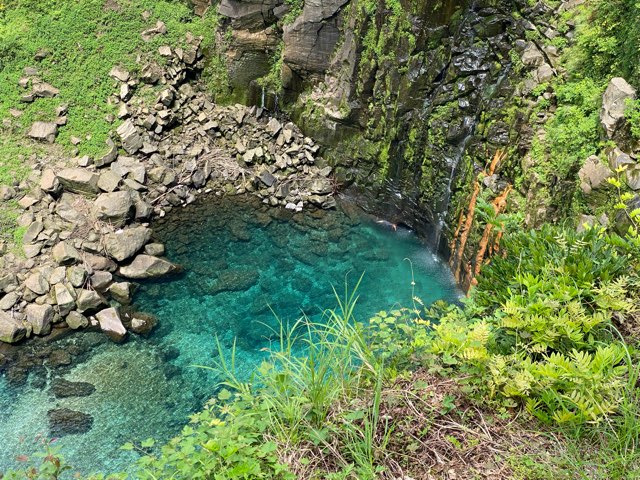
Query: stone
64, 299
101, 280
165, 51
544, 73
62, 388
122, 292
49, 182
40, 317
44, 90
9, 300
109, 157
274, 127
119, 73
97, 262
75, 320
143, 324
593, 174
267, 178
65, 254
532, 56
8, 282
131, 140
147, 266
115, 208
614, 104
235, 280
44, 131
79, 180
632, 177
89, 300
126, 243
77, 275
154, 249
32, 251
108, 181
59, 358
111, 324
63, 421
151, 73
11, 330
32, 232
37, 283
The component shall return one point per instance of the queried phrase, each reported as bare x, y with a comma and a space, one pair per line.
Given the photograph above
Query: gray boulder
76, 320
65, 254
111, 324
614, 104
11, 330
44, 131
593, 174
39, 316
64, 299
146, 266
114, 207
79, 180
123, 245
129, 136
121, 292
37, 283
89, 300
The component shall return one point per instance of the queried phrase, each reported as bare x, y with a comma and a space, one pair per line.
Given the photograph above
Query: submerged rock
63, 421
235, 280
62, 388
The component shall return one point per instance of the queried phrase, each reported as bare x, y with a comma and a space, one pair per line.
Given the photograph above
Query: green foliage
225, 440
609, 39
83, 41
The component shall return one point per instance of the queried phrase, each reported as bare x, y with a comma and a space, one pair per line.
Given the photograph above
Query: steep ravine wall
409, 98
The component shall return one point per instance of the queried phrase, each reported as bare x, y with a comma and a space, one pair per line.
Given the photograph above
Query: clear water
240, 260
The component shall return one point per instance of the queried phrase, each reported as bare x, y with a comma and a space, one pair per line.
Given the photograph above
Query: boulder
62, 388
142, 323
44, 131
122, 292
9, 300
129, 136
37, 283
593, 174
89, 300
109, 157
101, 280
79, 180
49, 182
32, 232
632, 176
614, 104
97, 262
115, 207
11, 330
154, 249
77, 275
532, 56
39, 316
126, 243
65, 254
235, 280
108, 181
146, 266
44, 90
111, 324
64, 299
119, 73
76, 320
63, 421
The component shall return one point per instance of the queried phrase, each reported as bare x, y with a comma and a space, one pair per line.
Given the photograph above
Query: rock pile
88, 224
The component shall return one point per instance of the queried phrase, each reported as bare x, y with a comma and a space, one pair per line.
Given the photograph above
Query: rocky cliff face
407, 97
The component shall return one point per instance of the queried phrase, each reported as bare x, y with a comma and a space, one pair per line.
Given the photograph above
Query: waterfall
262, 102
